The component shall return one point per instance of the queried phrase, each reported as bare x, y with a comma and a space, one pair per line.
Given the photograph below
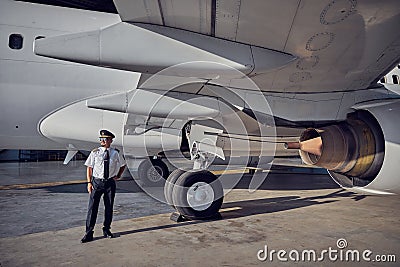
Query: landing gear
153, 172
169, 185
196, 194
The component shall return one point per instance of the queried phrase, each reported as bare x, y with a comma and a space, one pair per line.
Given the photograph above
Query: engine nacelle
362, 153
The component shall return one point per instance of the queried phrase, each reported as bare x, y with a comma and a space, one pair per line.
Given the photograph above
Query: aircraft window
395, 79
383, 79
15, 41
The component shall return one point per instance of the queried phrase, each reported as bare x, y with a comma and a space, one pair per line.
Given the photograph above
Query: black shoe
107, 233
88, 237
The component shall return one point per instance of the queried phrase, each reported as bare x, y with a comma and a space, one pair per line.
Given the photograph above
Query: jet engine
361, 153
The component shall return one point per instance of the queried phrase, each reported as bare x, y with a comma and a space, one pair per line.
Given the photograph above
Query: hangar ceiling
95, 5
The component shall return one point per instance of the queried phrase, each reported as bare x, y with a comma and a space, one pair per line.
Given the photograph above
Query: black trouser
101, 187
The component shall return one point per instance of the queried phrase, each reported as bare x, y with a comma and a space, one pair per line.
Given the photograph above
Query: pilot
104, 166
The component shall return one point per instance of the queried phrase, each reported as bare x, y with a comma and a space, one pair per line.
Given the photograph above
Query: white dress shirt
96, 161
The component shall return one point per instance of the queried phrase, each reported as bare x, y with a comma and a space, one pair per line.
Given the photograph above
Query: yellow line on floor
30, 186
230, 171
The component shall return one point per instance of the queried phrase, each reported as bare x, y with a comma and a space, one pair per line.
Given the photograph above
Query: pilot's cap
107, 134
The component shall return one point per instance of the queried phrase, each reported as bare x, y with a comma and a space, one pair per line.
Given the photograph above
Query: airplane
69, 84
221, 78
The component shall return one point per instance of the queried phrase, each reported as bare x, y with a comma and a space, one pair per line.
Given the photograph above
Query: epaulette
96, 149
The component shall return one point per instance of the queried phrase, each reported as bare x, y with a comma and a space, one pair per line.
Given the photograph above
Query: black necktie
106, 164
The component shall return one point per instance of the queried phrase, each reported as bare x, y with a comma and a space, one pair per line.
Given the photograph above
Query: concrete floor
43, 208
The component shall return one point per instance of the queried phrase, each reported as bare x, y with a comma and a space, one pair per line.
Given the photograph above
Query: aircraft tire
169, 185
198, 195
153, 172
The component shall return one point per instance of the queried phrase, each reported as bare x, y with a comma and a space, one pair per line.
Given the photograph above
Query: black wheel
153, 172
169, 185
198, 195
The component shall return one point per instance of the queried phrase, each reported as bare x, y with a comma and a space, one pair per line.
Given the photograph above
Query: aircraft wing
298, 53
339, 45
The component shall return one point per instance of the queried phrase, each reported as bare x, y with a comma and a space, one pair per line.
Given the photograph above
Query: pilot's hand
89, 188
